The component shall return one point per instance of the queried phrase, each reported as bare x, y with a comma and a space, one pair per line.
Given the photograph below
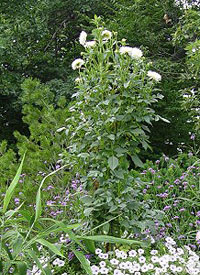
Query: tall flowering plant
108, 124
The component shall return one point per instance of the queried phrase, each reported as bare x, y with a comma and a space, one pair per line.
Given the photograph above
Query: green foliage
152, 24
107, 126
19, 241
187, 35
172, 186
43, 113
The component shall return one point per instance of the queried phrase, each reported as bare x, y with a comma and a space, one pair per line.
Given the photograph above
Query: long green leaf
10, 213
22, 268
83, 261
12, 186
38, 209
51, 246
109, 239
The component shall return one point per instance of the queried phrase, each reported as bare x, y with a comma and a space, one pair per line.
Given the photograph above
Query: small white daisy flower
98, 251
140, 251
114, 261
132, 253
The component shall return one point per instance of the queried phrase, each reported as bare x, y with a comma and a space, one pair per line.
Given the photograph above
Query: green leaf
38, 209
1, 266
10, 213
86, 199
137, 161
22, 268
83, 155
111, 136
88, 211
113, 162
83, 261
89, 245
51, 246
109, 239
17, 246
12, 186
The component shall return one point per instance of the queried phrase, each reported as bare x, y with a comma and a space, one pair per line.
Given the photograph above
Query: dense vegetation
99, 103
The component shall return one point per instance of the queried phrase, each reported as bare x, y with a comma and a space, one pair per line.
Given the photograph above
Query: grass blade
12, 186
109, 239
83, 261
38, 209
51, 246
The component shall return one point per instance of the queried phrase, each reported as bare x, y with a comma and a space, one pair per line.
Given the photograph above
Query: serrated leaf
113, 162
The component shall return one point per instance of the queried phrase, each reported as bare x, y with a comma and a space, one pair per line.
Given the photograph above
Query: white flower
125, 49
102, 264
154, 252
82, 38
131, 270
98, 251
142, 259
198, 236
122, 265
105, 256
154, 259
144, 268
78, 80
117, 272
136, 267
155, 76
90, 44
140, 251
150, 266
132, 52
95, 269
172, 268
180, 251
106, 35
104, 270
58, 262
123, 255
179, 269
136, 53
132, 253
77, 63
114, 261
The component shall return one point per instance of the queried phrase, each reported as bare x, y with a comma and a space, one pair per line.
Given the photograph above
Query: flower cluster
175, 261
172, 189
